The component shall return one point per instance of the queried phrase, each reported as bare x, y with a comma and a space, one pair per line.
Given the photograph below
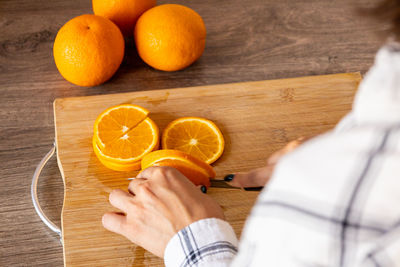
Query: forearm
208, 242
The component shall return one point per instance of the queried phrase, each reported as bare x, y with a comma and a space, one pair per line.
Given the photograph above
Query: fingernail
104, 220
229, 177
203, 189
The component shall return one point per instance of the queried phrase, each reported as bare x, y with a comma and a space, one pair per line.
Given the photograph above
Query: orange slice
123, 135
114, 122
194, 169
112, 165
198, 137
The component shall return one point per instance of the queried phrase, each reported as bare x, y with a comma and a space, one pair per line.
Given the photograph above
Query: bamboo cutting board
256, 119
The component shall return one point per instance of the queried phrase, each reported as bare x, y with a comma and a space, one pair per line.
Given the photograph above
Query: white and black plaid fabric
334, 201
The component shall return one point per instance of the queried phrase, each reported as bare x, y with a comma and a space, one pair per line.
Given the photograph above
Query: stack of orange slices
125, 139
122, 135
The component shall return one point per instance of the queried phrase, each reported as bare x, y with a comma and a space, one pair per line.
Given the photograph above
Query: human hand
161, 202
259, 177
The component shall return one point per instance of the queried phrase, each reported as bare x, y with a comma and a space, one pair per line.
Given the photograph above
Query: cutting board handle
35, 199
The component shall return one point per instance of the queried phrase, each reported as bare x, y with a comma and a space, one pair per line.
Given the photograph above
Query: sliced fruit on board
194, 169
198, 137
134, 166
116, 121
123, 135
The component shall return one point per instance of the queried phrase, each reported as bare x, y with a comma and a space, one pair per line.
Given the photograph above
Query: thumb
255, 178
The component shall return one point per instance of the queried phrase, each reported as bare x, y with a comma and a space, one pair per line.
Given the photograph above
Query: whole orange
124, 13
88, 50
170, 37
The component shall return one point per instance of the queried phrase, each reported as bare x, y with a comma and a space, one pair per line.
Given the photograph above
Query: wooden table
247, 41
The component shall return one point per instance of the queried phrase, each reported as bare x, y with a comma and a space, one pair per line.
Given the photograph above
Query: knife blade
221, 184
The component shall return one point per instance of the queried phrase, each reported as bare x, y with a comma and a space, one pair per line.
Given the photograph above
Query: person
332, 201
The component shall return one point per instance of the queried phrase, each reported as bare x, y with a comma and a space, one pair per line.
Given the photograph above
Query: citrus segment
198, 137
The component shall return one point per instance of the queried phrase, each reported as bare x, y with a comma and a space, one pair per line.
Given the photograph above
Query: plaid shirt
334, 201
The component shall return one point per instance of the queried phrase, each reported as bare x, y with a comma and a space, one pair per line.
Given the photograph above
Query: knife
221, 184
217, 183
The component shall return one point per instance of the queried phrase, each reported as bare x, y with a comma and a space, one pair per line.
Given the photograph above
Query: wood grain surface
246, 41
256, 119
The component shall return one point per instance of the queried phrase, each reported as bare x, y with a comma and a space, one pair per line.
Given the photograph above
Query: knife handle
258, 188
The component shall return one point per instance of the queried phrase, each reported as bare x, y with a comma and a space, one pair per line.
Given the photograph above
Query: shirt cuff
208, 242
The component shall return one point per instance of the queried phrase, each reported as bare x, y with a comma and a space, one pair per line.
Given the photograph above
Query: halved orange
198, 137
123, 135
194, 169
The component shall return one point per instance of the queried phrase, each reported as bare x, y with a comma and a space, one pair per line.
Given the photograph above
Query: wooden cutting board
256, 119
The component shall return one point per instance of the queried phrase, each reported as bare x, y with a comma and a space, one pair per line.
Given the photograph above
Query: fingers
120, 199
144, 190
254, 178
156, 172
148, 172
163, 176
134, 184
114, 222
259, 177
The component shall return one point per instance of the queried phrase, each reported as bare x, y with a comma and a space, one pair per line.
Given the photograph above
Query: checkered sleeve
385, 251
208, 242
334, 200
